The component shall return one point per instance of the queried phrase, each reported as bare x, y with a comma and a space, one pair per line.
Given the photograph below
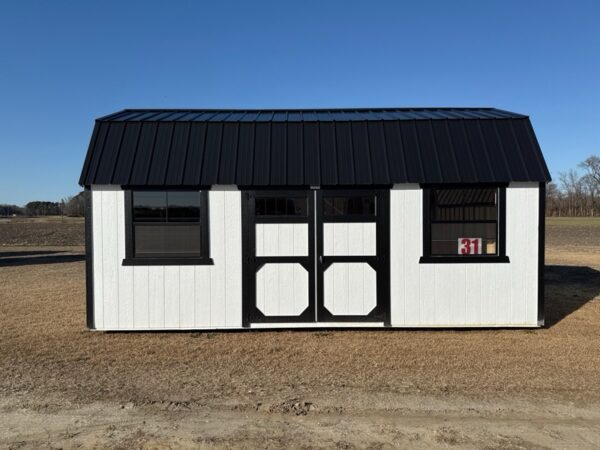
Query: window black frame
203, 259
500, 257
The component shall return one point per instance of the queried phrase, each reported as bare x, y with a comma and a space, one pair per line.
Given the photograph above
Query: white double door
316, 256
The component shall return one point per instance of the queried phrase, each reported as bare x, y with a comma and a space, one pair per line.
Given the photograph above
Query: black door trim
252, 263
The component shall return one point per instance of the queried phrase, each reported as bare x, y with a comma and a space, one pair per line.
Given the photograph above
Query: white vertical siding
426, 295
502, 294
166, 297
349, 239
350, 289
281, 239
282, 289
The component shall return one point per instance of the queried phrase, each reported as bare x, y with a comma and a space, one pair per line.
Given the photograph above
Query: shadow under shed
568, 288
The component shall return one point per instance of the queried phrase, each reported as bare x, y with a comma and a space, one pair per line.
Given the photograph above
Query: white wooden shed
232, 219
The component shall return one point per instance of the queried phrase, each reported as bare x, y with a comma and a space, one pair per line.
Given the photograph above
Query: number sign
469, 246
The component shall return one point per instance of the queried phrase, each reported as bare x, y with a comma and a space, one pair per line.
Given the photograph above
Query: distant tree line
577, 192
73, 206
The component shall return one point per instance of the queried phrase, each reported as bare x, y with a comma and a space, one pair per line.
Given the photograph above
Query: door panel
352, 255
350, 289
283, 239
282, 289
349, 239
279, 269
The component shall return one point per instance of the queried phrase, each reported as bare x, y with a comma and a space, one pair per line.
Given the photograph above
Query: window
281, 206
167, 227
463, 224
357, 205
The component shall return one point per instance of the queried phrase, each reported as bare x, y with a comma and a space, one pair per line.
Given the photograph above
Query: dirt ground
42, 231
62, 386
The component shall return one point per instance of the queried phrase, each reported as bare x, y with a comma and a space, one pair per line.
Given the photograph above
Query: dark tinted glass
349, 206
464, 204
150, 206
281, 206
448, 239
183, 206
167, 240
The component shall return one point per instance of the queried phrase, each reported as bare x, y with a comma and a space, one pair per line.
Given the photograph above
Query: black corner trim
463, 259
89, 262
541, 253
168, 262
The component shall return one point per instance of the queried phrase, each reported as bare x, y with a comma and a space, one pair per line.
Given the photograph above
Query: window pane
445, 238
183, 206
349, 206
167, 240
464, 204
281, 206
149, 206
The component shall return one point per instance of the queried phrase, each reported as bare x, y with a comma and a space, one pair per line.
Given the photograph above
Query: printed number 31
468, 246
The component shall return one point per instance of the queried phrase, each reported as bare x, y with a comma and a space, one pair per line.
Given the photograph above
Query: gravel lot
61, 385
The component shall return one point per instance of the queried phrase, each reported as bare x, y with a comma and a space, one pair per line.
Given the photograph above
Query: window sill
168, 262
463, 259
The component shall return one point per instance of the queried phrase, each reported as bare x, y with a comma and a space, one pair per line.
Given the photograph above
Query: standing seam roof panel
508, 143
88, 156
193, 163
467, 167
126, 158
479, 150
112, 146
278, 147
492, 143
140, 168
229, 147
212, 153
397, 165
312, 154
424, 137
160, 156
262, 154
414, 165
444, 151
378, 152
327, 151
532, 154
362, 159
245, 154
345, 153
295, 155
177, 154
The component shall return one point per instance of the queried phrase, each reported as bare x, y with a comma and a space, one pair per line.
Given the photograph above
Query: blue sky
62, 64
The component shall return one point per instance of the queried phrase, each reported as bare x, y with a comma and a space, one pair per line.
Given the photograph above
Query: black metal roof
322, 147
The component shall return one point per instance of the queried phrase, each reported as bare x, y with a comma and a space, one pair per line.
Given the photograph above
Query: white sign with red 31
469, 246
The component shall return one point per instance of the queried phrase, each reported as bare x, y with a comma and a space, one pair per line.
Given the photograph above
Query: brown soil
573, 240
64, 386
42, 231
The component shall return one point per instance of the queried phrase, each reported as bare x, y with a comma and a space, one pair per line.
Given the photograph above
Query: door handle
320, 259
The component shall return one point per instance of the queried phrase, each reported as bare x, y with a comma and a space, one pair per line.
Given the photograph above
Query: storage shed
230, 219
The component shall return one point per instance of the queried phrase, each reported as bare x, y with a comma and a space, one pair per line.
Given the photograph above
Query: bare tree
591, 182
74, 206
577, 194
